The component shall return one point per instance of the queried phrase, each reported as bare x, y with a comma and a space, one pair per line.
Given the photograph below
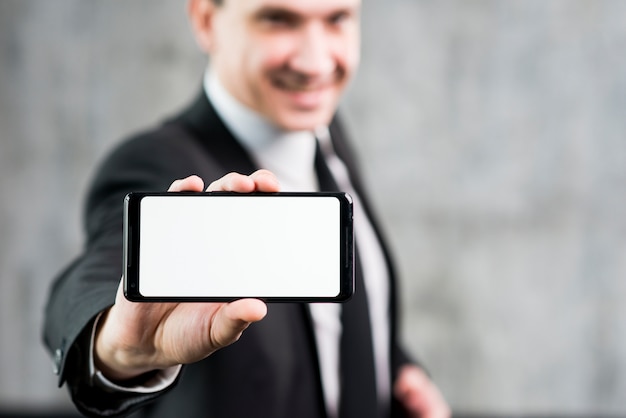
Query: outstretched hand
135, 338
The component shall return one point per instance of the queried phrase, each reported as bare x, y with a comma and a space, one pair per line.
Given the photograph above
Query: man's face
289, 60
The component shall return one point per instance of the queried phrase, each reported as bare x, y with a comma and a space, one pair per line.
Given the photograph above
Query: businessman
264, 120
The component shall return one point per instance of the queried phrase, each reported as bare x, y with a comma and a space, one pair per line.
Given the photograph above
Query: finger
232, 182
192, 184
420, 396
412, 390
260, 180
439, 406
265, 181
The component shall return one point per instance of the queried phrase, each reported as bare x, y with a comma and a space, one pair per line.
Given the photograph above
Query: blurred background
493, 138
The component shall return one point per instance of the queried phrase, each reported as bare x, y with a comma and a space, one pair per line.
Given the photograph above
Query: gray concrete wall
494, 138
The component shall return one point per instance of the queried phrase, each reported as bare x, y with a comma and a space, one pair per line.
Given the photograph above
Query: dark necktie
358, 382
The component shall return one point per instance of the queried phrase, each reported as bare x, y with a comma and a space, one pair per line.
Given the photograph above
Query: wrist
115, 360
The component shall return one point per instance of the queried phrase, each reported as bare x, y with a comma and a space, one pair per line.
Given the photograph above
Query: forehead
310, 8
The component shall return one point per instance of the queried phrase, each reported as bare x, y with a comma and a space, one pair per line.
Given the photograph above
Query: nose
313, 55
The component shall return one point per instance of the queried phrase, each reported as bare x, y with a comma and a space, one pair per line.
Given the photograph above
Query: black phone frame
131, 248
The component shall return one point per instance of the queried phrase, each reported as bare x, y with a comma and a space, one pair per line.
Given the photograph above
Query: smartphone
221, 246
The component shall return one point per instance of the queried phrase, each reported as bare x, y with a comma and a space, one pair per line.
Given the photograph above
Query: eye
338, 18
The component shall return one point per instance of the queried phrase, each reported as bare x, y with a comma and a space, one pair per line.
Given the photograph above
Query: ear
200, 13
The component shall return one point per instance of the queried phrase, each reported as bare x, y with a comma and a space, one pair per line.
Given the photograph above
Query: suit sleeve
88, 286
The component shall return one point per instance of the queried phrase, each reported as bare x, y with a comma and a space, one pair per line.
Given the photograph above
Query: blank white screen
239, 246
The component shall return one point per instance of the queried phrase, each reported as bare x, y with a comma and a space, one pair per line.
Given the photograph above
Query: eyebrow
295, 16
276, 11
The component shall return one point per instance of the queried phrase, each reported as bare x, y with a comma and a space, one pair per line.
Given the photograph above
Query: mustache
295, 80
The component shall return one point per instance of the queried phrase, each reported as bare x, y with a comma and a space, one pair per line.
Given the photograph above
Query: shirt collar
289, 154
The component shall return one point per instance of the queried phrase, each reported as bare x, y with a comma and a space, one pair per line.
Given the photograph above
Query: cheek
353, 53
346, 53
267, 55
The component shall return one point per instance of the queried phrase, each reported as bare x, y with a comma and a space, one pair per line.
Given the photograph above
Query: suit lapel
209, 129
347, 156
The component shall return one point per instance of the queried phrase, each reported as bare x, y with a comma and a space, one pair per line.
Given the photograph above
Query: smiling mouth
297, 87
295, 82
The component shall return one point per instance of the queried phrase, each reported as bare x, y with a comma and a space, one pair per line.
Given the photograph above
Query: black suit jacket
272, 371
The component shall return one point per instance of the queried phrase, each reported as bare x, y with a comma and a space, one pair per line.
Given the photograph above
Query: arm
88, 287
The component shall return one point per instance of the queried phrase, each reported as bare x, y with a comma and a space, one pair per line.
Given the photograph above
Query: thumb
233, 318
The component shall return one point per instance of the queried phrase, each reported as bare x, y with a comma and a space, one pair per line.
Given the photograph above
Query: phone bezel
131, 273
